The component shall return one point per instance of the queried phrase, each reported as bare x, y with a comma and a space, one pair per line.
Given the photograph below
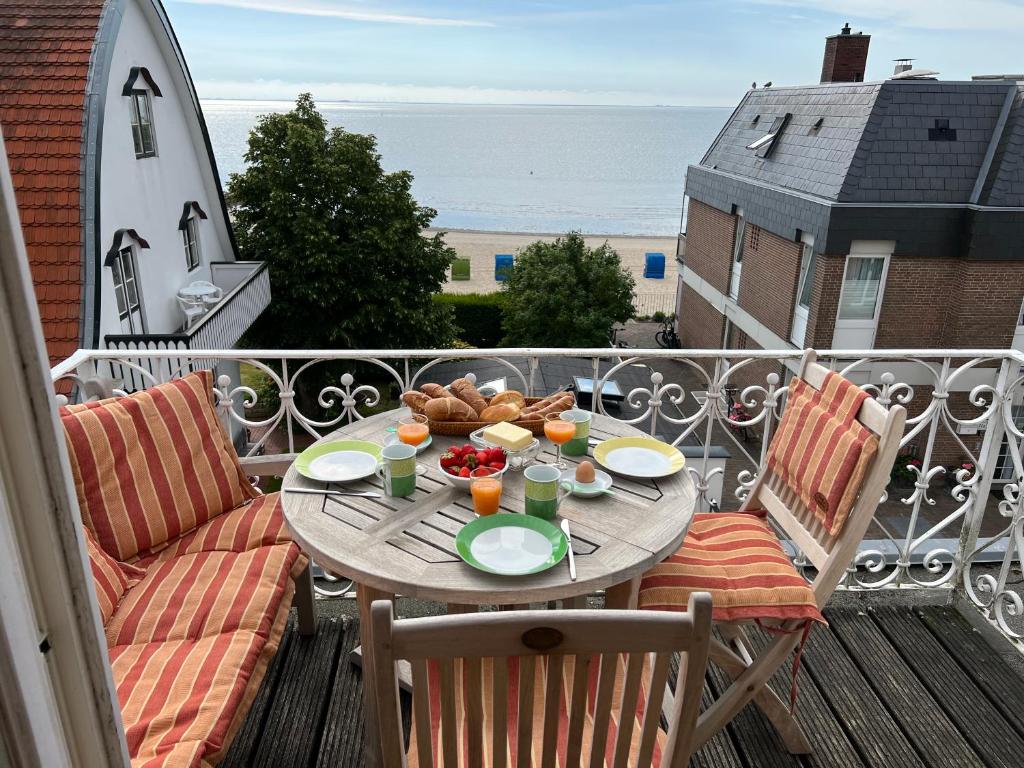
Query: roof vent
902, 65
905, 70
818, 123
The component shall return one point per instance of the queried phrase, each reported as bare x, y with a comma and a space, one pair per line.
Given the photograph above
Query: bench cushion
738, 559
110, 578
152, 466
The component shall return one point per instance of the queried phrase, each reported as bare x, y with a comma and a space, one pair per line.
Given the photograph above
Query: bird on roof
753, 85
768, 84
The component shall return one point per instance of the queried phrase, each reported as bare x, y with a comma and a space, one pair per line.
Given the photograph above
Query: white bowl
463, 482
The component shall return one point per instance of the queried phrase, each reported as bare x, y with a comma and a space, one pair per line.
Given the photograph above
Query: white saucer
602, 482
392, 438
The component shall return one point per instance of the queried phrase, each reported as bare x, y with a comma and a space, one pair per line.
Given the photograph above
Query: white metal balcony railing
944, 530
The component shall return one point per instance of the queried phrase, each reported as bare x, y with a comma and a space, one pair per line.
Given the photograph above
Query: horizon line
472, 103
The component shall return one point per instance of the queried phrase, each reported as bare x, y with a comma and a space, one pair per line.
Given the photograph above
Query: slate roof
874, 143
45, 49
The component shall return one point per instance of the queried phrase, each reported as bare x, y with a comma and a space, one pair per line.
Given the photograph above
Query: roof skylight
763, 146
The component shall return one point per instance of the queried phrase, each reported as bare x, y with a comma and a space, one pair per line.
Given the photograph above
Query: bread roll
531, 410
513, 397
434, 390
500, 412
563, 403
448, 409
417, 401
467, 393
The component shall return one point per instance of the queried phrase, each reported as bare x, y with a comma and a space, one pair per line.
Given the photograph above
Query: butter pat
508, 436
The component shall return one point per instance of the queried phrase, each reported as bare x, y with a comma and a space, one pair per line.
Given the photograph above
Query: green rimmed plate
639, 457
339, 461
511, 545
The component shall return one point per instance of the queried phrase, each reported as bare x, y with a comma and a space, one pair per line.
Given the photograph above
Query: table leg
623, 596
371, 730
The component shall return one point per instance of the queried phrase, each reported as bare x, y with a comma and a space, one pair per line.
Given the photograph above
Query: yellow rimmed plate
639, 457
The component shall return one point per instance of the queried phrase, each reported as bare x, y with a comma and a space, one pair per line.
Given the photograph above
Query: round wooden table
406, 546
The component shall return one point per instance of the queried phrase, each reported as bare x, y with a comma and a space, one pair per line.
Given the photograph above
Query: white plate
392, 438
343, 466
511, 550
602, 482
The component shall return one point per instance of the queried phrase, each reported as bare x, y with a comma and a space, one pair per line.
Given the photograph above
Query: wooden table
406, 546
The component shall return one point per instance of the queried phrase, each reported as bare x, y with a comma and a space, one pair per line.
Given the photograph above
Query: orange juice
413, 434
559, 431
486, 493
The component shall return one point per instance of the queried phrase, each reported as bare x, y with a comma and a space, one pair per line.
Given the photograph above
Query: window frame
736, 266
127, 309
876, 309
193, 247
137, 96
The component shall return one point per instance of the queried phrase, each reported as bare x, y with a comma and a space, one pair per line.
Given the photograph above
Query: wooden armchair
826, 470
499, 688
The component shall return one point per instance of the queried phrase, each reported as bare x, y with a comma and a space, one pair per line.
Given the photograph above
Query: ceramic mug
398, 469
544, 492
579, 444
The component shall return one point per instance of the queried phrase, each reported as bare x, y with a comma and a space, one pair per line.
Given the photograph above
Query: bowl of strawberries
459, 460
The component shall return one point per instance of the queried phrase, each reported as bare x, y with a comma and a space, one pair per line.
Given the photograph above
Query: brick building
852, 215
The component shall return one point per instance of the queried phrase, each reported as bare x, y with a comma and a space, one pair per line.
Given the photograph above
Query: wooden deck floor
892, 687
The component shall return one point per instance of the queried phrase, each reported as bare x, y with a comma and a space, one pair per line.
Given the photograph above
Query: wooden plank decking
888, 687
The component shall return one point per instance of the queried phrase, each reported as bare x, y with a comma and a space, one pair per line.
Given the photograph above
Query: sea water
601, 170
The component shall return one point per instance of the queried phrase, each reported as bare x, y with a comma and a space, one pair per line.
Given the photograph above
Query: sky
685, 53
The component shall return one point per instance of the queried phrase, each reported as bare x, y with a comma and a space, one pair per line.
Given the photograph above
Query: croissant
511, 396
500, 412
448, 409
434, 390
467, 393
415, 400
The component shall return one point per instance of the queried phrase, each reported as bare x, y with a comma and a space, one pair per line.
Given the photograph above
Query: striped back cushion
820, 449
110, 578
152, 466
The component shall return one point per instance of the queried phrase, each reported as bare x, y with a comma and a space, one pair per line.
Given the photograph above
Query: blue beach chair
654, 265
502, 266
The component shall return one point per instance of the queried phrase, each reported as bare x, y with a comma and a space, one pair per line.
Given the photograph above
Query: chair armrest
261, 466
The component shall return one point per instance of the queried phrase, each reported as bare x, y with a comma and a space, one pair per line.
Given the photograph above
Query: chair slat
603, 708
499, 712
577, 710
449, 732
652, 707
524, 736
627, 710
421, 712
552, 710
473, 702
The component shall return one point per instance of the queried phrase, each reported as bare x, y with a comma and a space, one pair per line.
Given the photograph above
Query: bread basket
464, 428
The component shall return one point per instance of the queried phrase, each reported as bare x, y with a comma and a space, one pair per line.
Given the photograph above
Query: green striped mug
398, 469
544, 493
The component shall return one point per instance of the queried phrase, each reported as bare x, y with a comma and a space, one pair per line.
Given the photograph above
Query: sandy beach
480, 248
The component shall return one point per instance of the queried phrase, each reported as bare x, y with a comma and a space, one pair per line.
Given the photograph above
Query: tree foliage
349, 266
564, 294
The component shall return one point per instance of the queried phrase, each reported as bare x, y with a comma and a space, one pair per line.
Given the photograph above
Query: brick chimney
846, 57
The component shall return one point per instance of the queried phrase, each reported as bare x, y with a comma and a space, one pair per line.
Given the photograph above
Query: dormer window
140, 88
189, 226
125, 274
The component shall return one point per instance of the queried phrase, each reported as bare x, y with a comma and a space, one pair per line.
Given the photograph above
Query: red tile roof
45, 48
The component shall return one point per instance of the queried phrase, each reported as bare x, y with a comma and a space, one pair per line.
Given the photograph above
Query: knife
572, 559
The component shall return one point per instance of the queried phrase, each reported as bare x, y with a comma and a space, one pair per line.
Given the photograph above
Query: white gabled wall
148, 194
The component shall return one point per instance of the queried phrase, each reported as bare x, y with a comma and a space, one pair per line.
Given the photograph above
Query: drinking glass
485, 487
559, 430
413, 430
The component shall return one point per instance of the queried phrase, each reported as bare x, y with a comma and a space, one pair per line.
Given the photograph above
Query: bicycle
667, 338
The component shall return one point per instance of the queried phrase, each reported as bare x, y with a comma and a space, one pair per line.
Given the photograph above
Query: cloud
268, 90
921, 14
331, 9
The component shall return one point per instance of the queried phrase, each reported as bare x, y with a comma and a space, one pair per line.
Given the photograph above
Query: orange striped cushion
110, 578
205, 593
152, 466
540, 675
820, 450
738, 559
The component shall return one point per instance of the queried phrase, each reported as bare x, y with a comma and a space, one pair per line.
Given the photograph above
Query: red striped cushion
739, 560
540, 675
820, 450
152, 466
110, 578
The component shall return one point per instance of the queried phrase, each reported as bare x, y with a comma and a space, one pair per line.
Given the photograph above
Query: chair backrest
570, 663
831, 554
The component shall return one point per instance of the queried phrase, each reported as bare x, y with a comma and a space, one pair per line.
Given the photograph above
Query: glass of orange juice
485, 487
560, 428
413, 430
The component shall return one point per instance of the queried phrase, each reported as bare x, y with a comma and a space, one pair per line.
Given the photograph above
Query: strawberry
482, 457
497, 454
498, 465
452, 470
469, 460
449, 459
467, 449
464, 472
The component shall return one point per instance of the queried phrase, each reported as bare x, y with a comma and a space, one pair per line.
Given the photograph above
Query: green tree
564, 294
349, 266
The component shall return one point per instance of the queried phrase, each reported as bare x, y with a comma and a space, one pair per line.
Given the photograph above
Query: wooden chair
830, 554
567, 663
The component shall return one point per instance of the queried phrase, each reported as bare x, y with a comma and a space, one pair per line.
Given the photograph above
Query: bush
478, 316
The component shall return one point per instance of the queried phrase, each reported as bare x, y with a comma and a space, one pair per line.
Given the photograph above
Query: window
737, 255
861, 284
806, 283
763, 147
755, 237
126, 291
190, 234
142, 124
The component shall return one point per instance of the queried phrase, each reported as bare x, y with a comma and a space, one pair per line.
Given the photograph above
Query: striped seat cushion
110, 578
257, 524
539, 689
820, 450
152, 466
738, 559
205, 593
